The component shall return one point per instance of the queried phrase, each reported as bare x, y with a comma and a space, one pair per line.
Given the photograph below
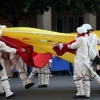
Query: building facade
50, 20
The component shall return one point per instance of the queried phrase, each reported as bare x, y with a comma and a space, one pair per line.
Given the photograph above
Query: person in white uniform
43, 75
11, 61
4, 83
81, 64
93, 41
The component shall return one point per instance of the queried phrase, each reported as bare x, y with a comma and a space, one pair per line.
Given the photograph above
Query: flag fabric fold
15, 43
30, 57
41, 60
64, 49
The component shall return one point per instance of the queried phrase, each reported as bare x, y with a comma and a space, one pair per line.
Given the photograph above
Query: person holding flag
4, 83
81, 63
93, 41
11, 61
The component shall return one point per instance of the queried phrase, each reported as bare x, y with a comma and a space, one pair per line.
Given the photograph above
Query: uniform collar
83, 34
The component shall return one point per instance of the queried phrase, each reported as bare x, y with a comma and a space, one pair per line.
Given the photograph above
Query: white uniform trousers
32, 74
4, 82
43, 75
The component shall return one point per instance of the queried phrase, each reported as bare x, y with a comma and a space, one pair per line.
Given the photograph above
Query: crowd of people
86, 63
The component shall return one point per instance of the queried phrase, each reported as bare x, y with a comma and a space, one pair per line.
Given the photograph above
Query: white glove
60, 46
23, 50
69, 46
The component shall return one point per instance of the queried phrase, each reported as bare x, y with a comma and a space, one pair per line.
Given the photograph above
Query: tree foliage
77, 6
13, 10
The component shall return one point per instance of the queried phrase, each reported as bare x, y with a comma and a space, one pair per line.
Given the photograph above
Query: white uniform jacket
96, 42
5, 48
81, 47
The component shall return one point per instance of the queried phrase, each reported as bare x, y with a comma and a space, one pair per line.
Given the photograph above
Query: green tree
13, 10
77, 6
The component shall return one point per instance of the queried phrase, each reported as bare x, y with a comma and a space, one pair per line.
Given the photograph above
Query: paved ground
60, 88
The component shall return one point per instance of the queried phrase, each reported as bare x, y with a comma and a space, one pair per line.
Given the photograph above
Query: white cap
87, 26
0, 33
81, 30
3, 26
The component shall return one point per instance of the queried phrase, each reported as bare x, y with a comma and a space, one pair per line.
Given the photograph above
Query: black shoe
11, 96
43, 86
39, 86
29, 85
79, 96
2, 94
87, 97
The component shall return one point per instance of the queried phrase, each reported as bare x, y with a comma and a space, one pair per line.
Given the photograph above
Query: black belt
97, 60
1, 67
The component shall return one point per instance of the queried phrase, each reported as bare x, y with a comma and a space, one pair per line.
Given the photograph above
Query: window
70, 23
80, 21
59, 24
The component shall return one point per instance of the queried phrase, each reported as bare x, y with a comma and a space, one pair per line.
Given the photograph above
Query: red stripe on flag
31, 58
15, 43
